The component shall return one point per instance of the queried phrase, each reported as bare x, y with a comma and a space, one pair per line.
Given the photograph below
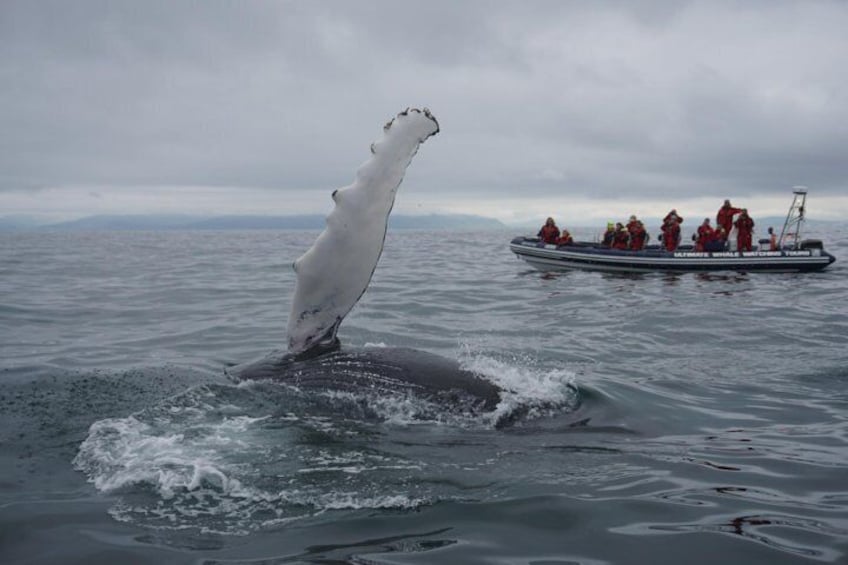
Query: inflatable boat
792, 254
809, 256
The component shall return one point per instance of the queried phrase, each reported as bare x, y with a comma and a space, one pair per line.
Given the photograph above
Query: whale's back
377, 369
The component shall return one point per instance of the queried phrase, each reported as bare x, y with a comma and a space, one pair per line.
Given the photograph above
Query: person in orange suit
549, 232
745, 228
724, 217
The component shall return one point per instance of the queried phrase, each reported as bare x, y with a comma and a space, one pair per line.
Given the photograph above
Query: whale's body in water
334, 273
383, 371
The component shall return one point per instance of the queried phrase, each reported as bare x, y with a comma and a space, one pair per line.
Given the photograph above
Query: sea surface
689, 418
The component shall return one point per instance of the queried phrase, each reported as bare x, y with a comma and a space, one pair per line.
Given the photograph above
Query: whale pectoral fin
324, 339
334, 273
322, 347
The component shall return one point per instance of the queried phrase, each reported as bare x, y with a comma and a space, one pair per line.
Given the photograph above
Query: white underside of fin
334, 273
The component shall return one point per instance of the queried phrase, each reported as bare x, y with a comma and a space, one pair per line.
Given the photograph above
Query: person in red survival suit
673, 214
718, 241
671, 233
745, 226
724, 217
564, 238
549, 232
638, 233
704, 235
621, 239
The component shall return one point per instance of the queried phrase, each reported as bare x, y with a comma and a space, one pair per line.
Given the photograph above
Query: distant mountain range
430, 222
300, 222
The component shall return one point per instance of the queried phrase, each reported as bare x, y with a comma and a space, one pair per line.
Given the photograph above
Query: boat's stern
816, 247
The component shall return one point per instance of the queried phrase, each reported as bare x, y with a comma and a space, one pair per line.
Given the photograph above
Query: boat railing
794, 219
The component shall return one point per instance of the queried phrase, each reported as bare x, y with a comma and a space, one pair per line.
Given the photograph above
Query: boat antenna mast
795, 218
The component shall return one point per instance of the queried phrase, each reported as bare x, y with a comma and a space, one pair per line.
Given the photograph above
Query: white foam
354, 463
538, 391
185, 466
124, 452
354, 501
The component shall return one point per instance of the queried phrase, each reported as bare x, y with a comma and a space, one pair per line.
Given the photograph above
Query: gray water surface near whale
665, 418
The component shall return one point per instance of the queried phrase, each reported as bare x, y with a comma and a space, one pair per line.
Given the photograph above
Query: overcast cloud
578, 109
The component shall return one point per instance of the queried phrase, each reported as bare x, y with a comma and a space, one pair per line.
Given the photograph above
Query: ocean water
697, 418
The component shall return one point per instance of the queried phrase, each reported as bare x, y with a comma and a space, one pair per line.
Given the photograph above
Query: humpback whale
334, 273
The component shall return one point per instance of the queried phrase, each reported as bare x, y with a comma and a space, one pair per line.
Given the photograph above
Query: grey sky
578, 109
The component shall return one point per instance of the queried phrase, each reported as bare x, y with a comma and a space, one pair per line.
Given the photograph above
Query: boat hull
589, 256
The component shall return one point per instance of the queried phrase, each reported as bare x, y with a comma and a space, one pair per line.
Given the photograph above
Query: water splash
236, 459
530, 391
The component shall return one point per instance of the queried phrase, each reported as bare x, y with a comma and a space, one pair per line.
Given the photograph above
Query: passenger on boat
565, 238
638, 233
621, 239
745, 227
772, 239
609, 235
718, 242
549, 232
671, 233
673, 214
724, 217
704, 235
